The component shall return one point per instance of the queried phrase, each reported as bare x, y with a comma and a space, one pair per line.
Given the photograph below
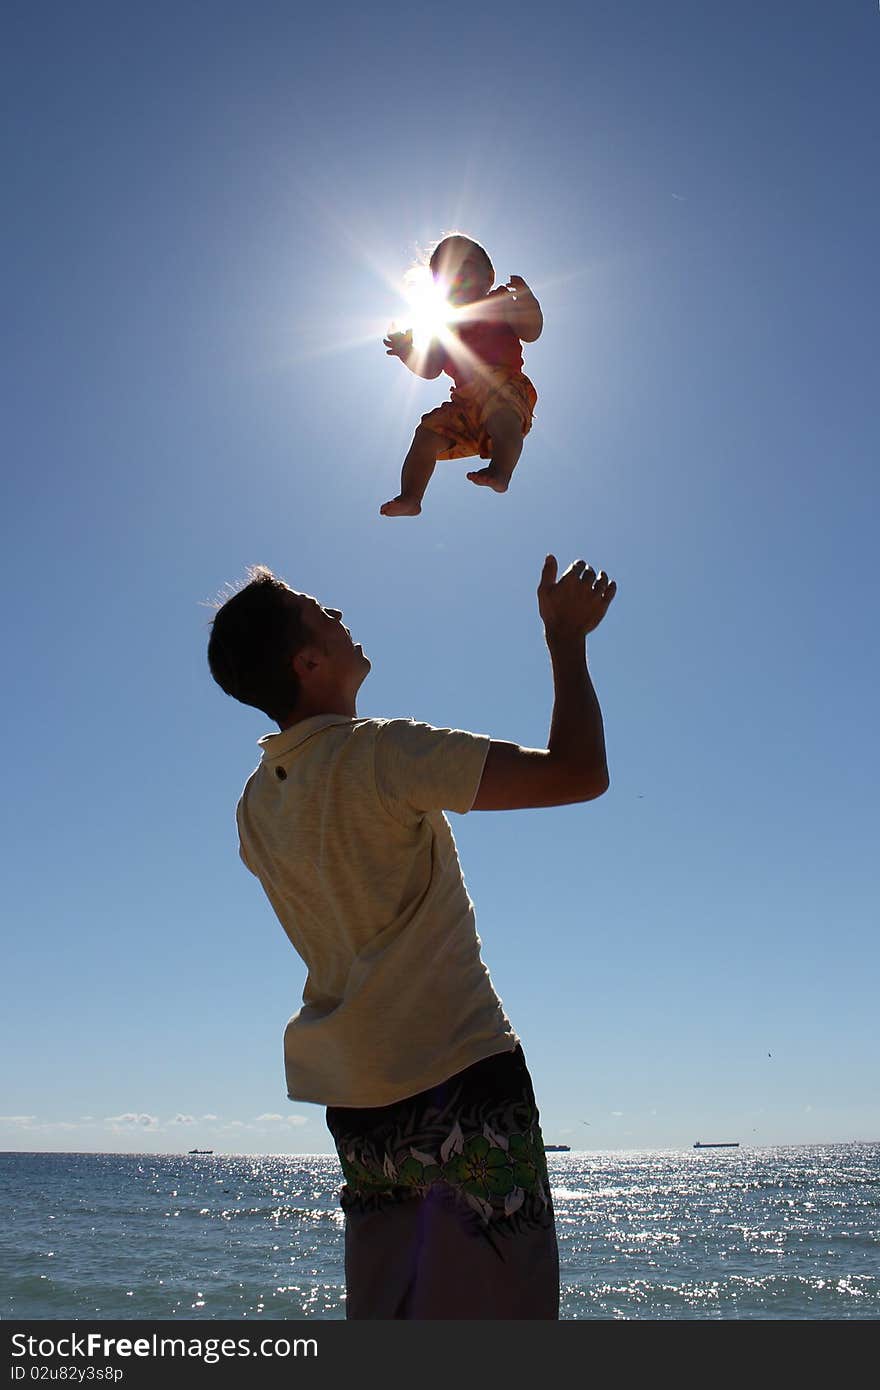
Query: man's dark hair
253, 637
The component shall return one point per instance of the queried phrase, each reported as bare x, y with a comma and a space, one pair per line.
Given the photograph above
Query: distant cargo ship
557, 1148
698, 1145
200, 1151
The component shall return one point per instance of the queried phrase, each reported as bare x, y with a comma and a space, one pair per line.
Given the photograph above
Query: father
401, 1034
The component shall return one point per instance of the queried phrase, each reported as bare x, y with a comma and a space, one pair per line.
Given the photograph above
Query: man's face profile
342, 663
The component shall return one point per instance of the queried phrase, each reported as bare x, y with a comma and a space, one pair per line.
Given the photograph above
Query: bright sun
428, 311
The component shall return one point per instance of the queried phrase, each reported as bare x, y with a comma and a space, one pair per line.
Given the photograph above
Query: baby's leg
505, 430
418, 466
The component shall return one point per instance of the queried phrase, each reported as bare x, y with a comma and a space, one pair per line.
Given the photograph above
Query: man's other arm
573, 766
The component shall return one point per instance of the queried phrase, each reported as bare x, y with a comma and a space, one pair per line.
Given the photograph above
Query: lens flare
428, 312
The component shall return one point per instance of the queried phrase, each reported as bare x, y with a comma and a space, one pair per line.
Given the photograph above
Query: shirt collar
277, 745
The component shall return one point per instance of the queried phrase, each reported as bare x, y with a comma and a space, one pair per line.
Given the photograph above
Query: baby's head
463, 267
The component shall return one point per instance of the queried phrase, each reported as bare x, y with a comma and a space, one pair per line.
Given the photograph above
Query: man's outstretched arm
573, 766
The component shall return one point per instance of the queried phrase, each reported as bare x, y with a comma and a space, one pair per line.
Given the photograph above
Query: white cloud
33, 1123
136, 1121
269, 1120
132, 1120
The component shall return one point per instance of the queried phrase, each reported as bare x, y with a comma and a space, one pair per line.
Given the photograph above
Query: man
401, 1034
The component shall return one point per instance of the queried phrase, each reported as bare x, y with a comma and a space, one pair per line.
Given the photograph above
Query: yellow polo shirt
343, 824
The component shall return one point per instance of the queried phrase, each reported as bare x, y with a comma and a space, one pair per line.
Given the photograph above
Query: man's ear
307, 661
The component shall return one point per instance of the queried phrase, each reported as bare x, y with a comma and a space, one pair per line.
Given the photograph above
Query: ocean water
788, 1233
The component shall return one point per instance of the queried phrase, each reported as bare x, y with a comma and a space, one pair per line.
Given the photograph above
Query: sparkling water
739, 1233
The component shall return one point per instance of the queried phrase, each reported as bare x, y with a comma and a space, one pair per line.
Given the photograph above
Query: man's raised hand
575, 604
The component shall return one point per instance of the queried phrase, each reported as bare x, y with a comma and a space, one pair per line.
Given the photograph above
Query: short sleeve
240, 825
420, 768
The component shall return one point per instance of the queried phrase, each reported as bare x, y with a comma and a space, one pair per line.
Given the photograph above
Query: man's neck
307, 709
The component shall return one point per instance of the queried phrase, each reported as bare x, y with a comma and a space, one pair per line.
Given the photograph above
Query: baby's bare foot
487, 477
401, 506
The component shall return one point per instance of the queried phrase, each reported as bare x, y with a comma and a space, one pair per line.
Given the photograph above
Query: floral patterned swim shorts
447, 1200
462, 419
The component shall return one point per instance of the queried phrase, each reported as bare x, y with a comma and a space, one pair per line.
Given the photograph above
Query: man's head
284, 653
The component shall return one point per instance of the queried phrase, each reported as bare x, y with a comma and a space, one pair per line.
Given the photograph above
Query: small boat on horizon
200, 1151
557, 1148
735, 1145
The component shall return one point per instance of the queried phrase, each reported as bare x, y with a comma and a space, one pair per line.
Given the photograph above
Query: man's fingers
603, 587
548, 574
576, 568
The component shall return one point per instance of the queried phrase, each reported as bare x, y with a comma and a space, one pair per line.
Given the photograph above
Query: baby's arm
427, 362
522, 310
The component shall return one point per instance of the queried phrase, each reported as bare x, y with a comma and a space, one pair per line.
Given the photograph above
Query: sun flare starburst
428, 312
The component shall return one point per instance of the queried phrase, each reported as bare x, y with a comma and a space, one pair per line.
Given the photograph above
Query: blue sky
211, 209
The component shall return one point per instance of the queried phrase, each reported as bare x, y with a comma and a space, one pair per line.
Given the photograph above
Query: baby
491, 402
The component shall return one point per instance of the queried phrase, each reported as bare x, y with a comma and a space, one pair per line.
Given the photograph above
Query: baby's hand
399, 344
523, 310
517, 286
